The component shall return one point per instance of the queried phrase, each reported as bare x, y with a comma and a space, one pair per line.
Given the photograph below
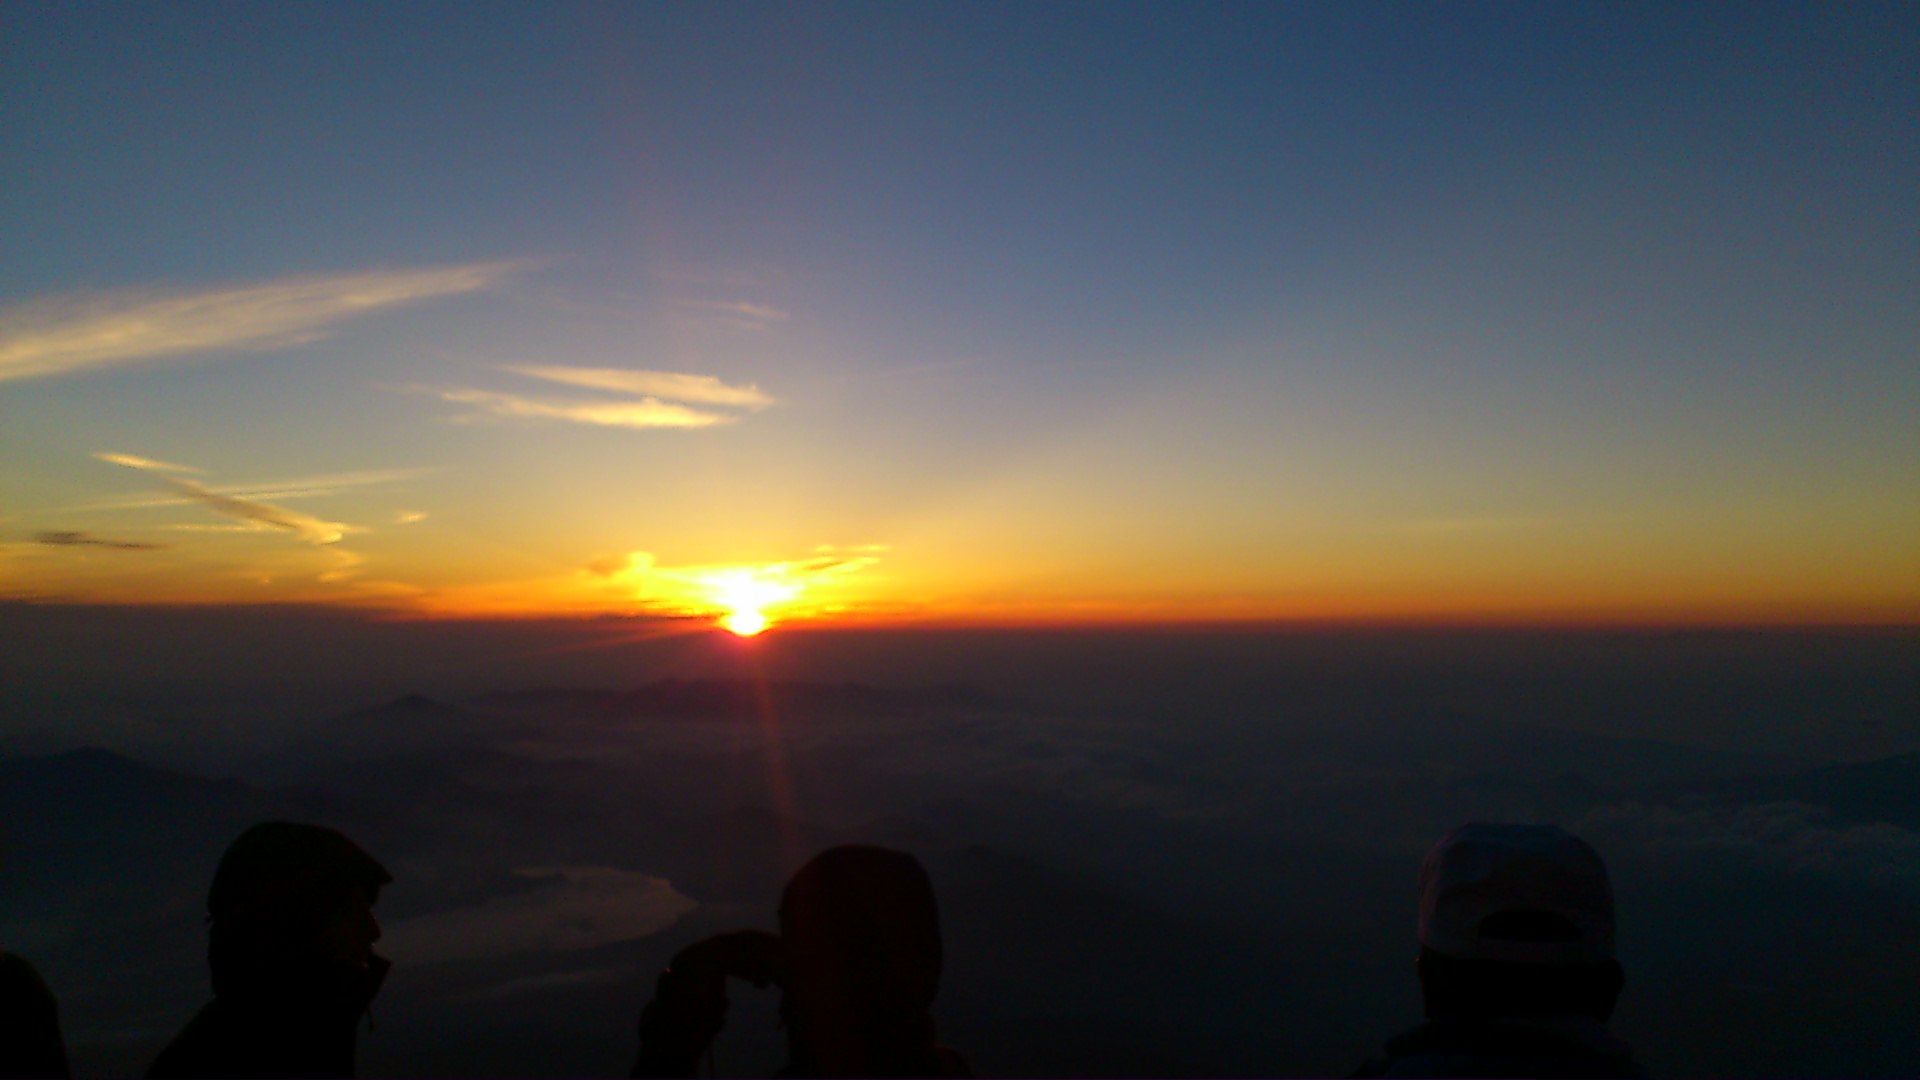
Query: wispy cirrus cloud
63, 335
304, 487
644, 413
135, 461
307, 527
659, 399
673, 385
739, 313
75, 538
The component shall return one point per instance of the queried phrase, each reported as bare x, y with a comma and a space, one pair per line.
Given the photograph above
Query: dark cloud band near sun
75, 538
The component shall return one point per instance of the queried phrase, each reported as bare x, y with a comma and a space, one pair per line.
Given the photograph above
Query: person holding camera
857, 960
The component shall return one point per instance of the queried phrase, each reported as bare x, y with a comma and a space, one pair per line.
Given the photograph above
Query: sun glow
744, 623
746, 595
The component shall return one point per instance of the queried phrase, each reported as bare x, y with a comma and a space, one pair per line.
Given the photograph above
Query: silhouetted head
1516, 920
291, 907
860, 933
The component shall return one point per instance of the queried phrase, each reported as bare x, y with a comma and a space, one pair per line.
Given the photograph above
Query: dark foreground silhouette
857, 960
1516, 967
290, 945
30, 1042
1516, 964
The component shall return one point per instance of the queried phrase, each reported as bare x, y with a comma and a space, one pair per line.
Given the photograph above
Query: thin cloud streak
644, 413
311, 529
75, 538
306, 487
740, 313
63, 335
672, 385
308, 528
135, 461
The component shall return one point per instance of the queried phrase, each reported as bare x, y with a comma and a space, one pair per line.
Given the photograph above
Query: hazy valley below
1199, 865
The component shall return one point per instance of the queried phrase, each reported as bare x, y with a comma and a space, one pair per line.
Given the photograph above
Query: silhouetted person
858, 962
290, 944
30, 1042
1516, 961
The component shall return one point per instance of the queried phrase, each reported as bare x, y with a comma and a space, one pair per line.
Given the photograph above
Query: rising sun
745, 622
745, 596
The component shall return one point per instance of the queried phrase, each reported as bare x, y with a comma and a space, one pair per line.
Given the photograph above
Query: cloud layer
673, 385
311, 529
63, 335
644, 413
655, 399
1795, 837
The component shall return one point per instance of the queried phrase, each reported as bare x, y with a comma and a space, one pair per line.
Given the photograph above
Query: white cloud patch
659, 399
672, 385
644, 413
63, 335
577, 907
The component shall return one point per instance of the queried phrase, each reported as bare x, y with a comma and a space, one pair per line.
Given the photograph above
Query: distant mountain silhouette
109, 798
411, 723
84, 825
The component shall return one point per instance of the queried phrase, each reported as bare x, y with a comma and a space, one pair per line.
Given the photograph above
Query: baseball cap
1531, 894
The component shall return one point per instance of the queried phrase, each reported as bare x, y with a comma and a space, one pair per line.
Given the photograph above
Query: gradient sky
965, 312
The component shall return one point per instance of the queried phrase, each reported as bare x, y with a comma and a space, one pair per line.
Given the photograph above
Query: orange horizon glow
838, 589
747, 623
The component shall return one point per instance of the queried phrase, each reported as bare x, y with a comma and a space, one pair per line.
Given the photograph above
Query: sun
745, 596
